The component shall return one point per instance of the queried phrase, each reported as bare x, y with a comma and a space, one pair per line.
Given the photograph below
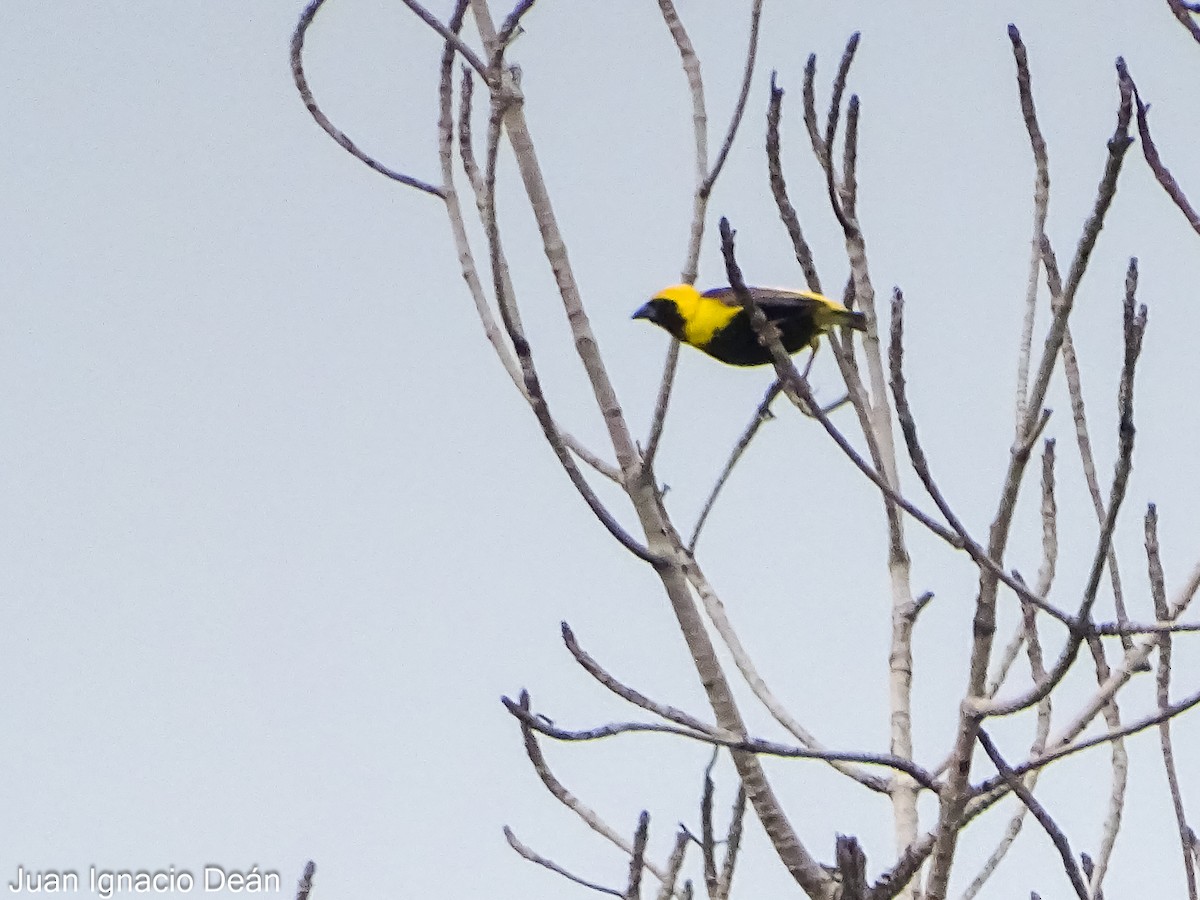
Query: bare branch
810, 110
852, 865
849, 191
1181, 11
750, 745
1041, 204
593, 668
466, 257
310, 103
1089, 869
733, 844
1046, 570
452, 38
662, 403
1107, 629
831, 122
1158, 591
691, 69
534, 857
512, 22
895, 879
1134, 329
1061, 748
566, 798
637, 862
1120, 779
761, 415
1039, 812
715, 610
674, 865
908, 426
1154, 160
740, 108
304, 887
956, 794
787, 212
1083, 439
509, 314
708, 844
1118, 144
1037, 670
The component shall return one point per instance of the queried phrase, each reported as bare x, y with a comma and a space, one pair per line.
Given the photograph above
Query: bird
717, 324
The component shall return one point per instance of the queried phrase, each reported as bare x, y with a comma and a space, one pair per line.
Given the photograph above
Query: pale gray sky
278, 532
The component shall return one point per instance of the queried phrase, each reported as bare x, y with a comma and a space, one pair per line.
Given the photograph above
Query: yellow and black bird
717, 324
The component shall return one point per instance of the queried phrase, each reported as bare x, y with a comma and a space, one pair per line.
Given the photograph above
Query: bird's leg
808, 365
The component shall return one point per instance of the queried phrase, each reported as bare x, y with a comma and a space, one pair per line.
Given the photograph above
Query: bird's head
668, 308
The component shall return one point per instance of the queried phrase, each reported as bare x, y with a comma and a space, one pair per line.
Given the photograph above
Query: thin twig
739, 108
1028, 635
492, 331
637, 861
691, 69
534, 857
798, 391
908, 425
733, 844
1158, 590
1046, 570
707, 178
1105, 629
849, 226
1120, 779
304, 887
956, 794
851, 864
512, 22
1041, 204
1125, 440
1060, 749
1039, 812
569, 800
662, 402
674, 865
452, 38
787, 212
708, 843
761, 415
1089, 869
593, 668
310, 103
849, 190
1181, 11
1079, 414
715, 610
1157, 166
509, 314
809, 98
750, 745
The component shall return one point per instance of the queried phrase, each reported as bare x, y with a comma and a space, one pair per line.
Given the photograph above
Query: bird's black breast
737, 344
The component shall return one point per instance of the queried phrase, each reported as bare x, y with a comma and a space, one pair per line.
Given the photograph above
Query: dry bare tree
1054, 639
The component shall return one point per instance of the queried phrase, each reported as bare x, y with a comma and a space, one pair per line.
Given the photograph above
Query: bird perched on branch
717, 324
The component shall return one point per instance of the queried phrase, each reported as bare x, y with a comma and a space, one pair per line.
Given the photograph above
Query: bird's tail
852, 319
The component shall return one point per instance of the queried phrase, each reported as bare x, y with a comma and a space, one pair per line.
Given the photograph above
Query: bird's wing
774, 302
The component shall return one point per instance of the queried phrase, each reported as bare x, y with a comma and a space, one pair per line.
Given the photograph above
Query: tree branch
534, 857
343, 140
717, 739
1039, 812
